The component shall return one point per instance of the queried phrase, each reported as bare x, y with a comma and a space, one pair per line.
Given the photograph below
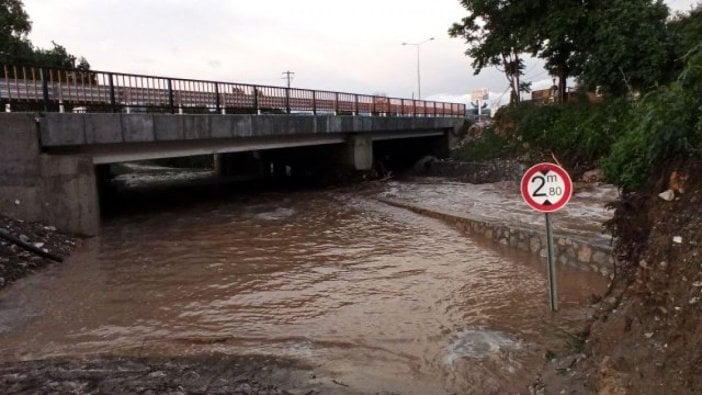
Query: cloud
329, 45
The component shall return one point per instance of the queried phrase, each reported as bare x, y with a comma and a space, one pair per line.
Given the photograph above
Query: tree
557, 33
626, 48
685, 31
14, 27
620, 45
16, 48
495, 34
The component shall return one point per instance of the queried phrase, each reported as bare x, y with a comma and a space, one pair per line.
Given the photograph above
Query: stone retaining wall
570, 250
472, 172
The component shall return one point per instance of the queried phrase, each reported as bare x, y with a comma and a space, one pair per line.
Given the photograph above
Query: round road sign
546, 187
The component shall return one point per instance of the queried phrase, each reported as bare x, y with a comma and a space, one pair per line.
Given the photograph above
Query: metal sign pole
547, 188
552, 286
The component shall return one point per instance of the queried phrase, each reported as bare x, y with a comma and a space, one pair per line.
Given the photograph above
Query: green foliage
489, 146
627, 47
58, 56
578, 133
685, 33
619, 45
668, 127
16, 48
14, 27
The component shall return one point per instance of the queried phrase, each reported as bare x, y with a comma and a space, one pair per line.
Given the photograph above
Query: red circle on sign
559, 176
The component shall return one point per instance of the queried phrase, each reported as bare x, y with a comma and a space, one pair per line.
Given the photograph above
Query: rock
677, 240
584, 254
648, 335
17, 202
425, 163
694, 300
599, 257
594, 175
157, 374
38, 244
668, 195
678, 181
24, 238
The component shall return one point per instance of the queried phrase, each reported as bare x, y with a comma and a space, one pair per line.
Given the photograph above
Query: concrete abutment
34, 186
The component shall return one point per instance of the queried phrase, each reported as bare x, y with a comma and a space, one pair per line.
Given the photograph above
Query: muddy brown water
376, 297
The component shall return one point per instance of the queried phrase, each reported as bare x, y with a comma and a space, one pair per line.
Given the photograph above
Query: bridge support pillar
242, 164
70, 194
359, 152
58, 190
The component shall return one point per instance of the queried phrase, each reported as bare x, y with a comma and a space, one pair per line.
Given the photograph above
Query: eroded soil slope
647, 338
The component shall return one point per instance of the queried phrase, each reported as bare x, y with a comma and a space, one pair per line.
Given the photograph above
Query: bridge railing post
287, 100
113, 98
171, 103
314, 102
355, 101
218, 106
336, 103
255, 99
44, 89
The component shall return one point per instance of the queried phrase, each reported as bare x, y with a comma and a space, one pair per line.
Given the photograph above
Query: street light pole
419, 79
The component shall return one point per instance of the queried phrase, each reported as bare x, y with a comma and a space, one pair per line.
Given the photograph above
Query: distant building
551, 95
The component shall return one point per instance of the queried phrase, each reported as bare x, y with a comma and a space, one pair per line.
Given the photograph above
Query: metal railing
54, 89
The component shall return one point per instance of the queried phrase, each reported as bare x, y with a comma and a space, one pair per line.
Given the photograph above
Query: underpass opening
169, 183
402, 154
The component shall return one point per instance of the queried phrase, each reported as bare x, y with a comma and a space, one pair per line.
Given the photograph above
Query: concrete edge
570, 250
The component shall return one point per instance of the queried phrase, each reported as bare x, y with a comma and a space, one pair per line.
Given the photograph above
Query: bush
667, 126
488, 146
579, 133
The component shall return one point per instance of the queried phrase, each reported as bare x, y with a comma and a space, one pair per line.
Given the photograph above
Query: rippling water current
376, 296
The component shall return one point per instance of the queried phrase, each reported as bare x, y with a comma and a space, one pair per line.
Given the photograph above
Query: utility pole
289, 76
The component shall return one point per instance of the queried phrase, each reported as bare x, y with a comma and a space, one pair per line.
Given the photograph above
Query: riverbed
372, 296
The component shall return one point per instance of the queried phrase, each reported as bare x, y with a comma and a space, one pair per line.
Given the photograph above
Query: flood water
375, 296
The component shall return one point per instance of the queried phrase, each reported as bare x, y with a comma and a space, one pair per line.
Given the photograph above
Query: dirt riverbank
215, 374
16, 262
647, 336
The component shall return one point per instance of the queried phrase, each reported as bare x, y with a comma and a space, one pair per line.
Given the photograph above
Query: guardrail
54, 89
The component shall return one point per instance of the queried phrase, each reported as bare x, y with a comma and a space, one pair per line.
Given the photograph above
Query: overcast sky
345, 46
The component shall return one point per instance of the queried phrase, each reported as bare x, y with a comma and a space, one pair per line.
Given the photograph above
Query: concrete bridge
51, 163
74, 123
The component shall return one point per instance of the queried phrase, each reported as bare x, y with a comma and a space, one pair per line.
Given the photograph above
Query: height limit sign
547, 188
